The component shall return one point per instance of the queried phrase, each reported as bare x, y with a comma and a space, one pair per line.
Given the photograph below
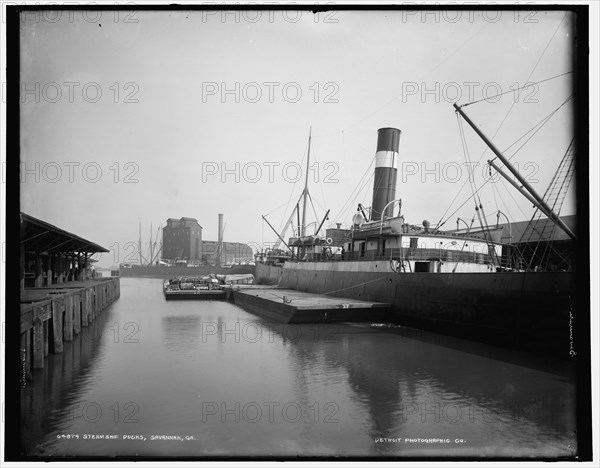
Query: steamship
465, 282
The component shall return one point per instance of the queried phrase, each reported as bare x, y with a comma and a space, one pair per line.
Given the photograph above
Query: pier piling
76, 314
53, 315
38, 343
68, 321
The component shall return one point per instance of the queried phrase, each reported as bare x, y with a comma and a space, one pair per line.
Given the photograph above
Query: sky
131, 118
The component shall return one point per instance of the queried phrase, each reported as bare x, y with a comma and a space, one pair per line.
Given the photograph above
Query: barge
193, 287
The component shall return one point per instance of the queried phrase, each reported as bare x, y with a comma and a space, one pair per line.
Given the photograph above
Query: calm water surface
209, 379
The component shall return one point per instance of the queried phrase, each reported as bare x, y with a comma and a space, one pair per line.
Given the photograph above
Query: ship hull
524, 310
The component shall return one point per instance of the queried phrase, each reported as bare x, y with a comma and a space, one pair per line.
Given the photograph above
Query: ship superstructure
465, 282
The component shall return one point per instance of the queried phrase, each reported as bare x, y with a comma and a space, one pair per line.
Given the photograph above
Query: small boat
193, 287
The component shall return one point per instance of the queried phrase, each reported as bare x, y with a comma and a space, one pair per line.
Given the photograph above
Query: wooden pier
291, 306
53, 315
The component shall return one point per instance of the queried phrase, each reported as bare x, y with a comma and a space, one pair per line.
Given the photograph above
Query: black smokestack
386, 171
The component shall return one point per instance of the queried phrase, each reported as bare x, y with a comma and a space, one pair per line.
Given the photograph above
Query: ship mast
305, 192
151, 247
140, 241
304, 196
538, 201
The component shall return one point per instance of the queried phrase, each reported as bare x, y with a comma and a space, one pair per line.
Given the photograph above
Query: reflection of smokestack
220, 241
386, 171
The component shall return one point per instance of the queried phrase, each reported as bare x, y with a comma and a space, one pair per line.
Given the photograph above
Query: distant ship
182, 241
165, 271
464, 282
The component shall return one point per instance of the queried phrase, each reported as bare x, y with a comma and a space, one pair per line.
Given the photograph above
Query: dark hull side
196, 296
533, 311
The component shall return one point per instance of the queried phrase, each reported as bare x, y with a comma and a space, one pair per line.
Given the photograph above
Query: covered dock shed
50, 255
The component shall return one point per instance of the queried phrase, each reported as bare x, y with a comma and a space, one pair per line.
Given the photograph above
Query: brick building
182, 240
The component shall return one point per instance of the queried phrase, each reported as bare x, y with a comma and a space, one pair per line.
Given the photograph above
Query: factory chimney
386, 171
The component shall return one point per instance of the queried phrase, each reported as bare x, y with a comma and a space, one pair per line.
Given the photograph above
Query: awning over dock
38, 235
50, 255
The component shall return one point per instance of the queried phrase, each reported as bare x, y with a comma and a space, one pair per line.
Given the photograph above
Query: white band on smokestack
386, 159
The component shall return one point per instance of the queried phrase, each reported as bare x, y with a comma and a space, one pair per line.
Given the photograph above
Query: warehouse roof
40, 236
517, 230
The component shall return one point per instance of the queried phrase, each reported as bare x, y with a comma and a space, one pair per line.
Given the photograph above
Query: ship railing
417, 255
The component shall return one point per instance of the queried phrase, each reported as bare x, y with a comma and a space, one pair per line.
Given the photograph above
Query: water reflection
412, 384
47, 400
180, 331
229, 383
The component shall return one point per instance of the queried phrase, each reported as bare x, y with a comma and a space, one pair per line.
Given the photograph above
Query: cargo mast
526, 189
305, 192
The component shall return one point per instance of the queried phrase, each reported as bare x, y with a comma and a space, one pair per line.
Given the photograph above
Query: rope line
526, 85
541, 123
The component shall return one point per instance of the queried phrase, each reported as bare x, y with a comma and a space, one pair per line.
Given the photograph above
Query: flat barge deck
291, 306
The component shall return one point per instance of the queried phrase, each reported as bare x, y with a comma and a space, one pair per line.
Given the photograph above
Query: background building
232, 251
182, 240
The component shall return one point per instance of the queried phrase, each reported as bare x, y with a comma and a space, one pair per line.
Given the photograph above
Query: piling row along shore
52, 315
